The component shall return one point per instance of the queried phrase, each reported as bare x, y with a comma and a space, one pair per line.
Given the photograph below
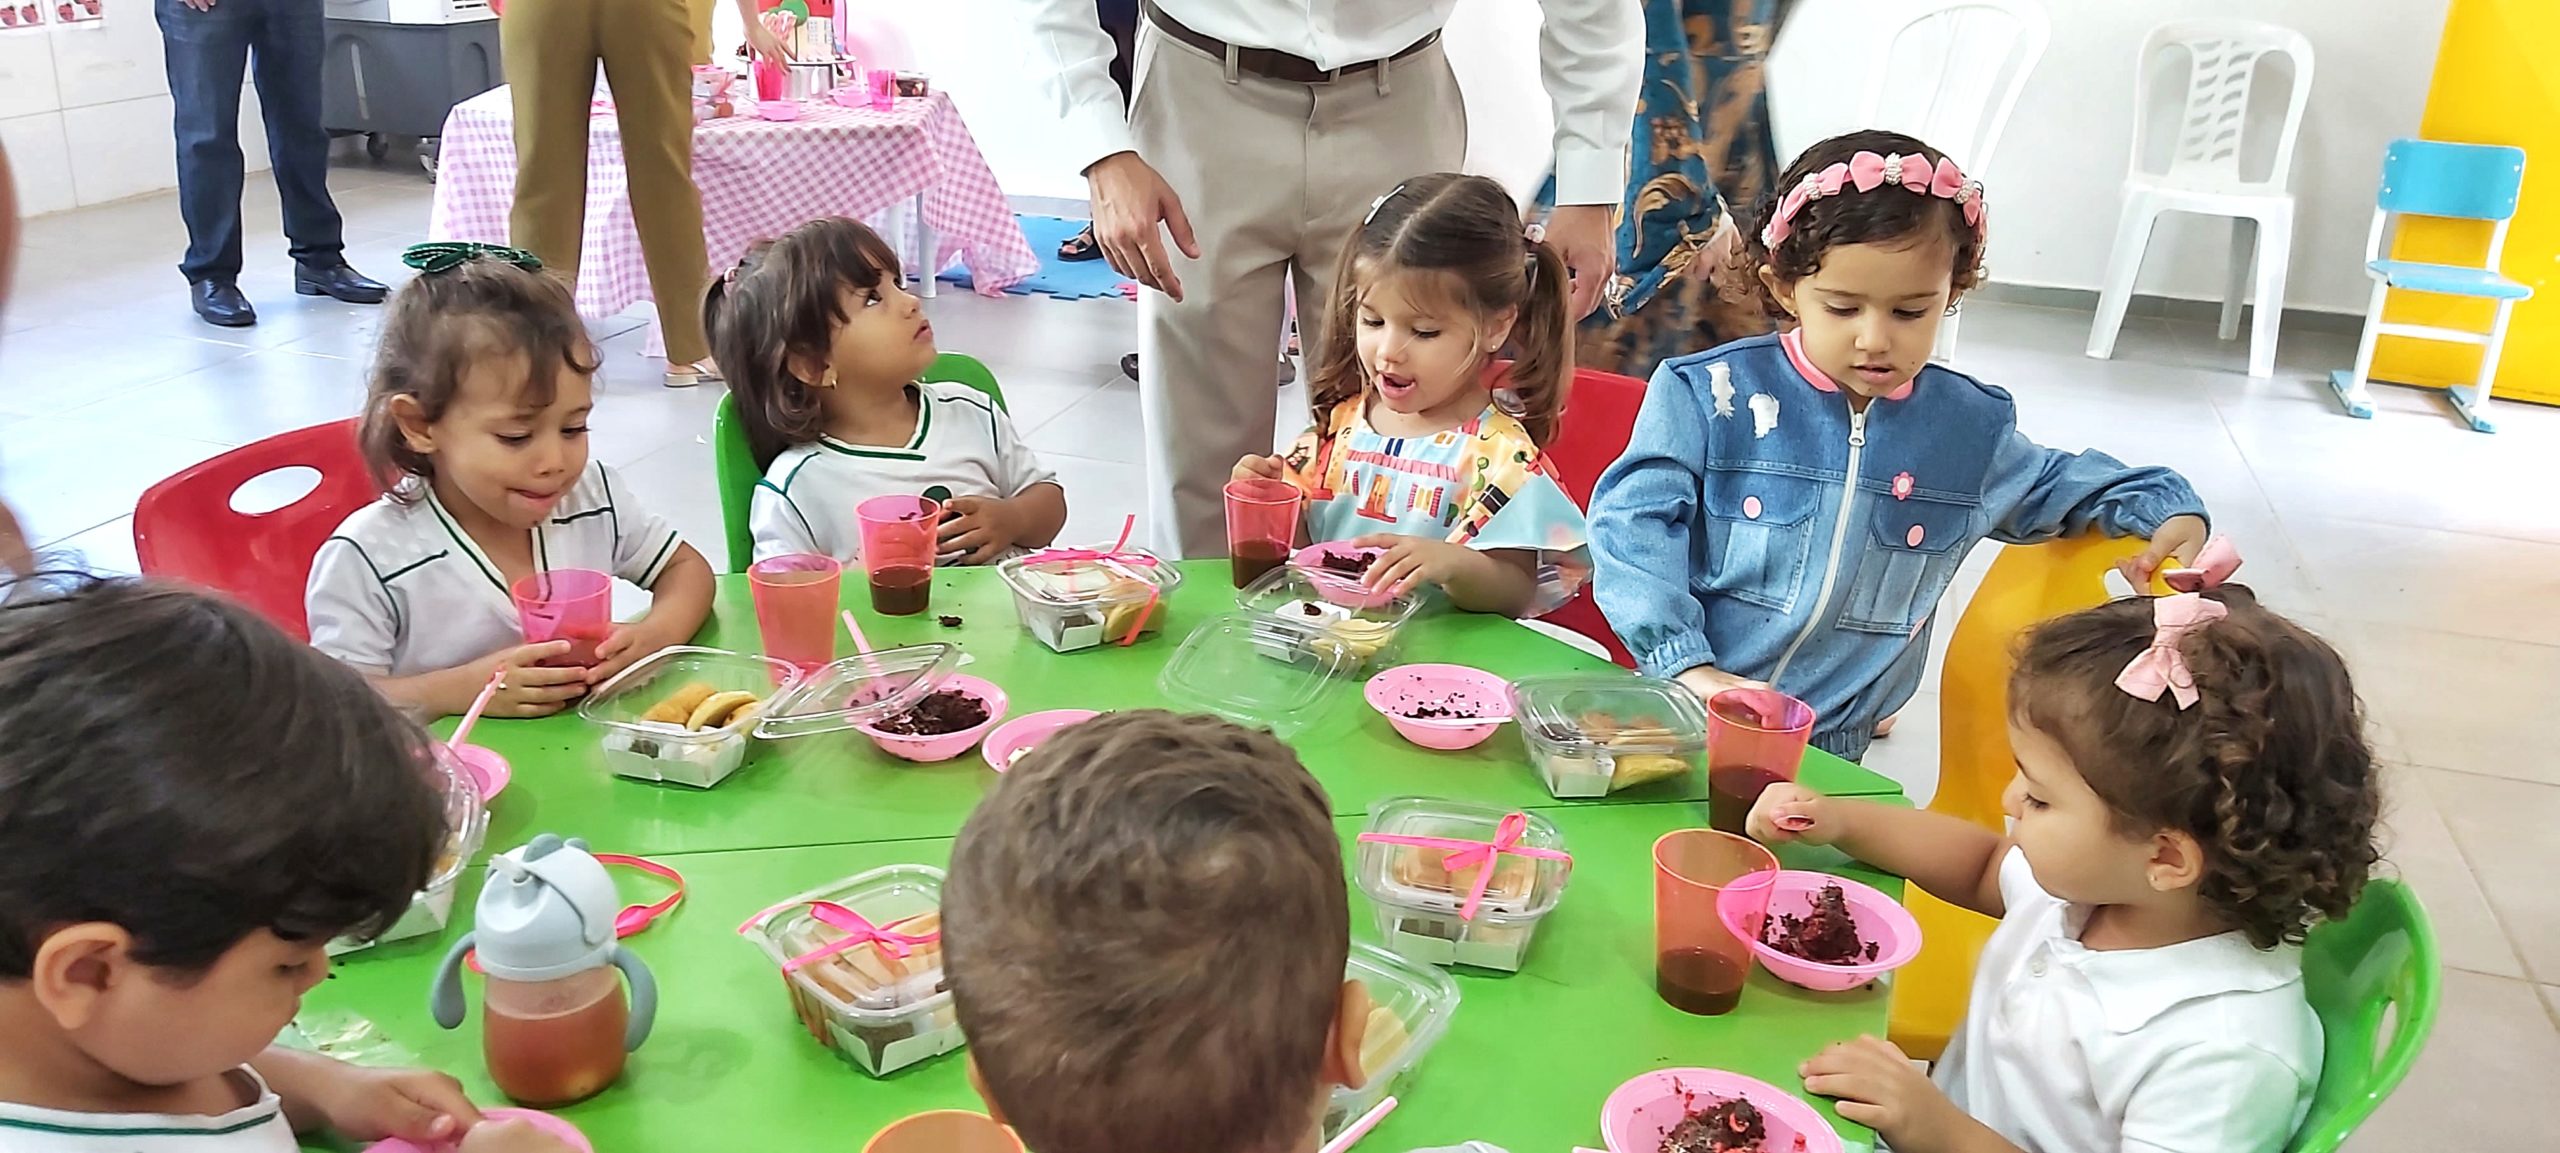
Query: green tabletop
1526, 1063
837, 789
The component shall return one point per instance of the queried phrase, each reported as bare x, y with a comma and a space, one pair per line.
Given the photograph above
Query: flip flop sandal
1080, 247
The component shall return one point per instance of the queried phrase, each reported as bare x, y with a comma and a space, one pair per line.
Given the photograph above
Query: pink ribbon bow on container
1115, 558
1481, 856
858, 930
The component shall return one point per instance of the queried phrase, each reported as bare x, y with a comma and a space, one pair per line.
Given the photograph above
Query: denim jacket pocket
1759, 537
1911, 552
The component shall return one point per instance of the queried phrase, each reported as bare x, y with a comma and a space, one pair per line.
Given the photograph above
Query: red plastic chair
185, 528
1598, 418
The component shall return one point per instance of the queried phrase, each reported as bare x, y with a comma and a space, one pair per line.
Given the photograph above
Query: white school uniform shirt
963, 442
2198, 1047
400, 589
257, 1127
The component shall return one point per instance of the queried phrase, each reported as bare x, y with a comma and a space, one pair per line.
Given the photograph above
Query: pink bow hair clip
2213, 566
2162, 668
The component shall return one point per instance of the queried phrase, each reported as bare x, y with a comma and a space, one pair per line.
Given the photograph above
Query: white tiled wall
85, 113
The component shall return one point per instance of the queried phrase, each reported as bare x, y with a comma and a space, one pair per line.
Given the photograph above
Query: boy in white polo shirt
2193, 792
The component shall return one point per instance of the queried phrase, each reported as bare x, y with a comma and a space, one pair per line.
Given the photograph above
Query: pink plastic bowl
1400, 688
933, 750
489, 771
554, 1126
1880, 918
1339, 588
1644, 1111
1024, 733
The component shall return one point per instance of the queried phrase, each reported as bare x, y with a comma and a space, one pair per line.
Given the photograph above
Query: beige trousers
1276, 177
551, 49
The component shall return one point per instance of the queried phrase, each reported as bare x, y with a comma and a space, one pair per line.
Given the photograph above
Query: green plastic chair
2373, 980
733, 462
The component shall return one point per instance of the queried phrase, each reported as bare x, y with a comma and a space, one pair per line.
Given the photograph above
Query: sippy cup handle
444, 1000
644, 997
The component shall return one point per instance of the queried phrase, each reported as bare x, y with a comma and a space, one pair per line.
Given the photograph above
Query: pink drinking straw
1361, 1127
497, 680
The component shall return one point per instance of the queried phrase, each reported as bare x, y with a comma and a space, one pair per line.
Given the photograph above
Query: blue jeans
208, 54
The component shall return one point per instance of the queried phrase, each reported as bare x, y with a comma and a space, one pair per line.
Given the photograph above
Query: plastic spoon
479, 704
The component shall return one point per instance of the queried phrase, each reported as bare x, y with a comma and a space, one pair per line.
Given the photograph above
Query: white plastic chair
2204, 174
1970, 60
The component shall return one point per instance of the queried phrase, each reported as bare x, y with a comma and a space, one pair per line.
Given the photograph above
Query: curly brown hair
1468, 229
2269, 771
782, 303
438, 326
1889, 216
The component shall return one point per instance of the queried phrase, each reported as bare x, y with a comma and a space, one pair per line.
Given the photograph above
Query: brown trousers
552, 47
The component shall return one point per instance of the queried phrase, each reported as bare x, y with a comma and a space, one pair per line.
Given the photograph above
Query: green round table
1526, 1062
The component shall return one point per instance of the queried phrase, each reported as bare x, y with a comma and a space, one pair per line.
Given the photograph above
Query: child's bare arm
532, 690
1037, 513
1951, 858
362, 1103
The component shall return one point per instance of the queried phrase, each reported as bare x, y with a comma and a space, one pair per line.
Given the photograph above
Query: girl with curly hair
2194, 791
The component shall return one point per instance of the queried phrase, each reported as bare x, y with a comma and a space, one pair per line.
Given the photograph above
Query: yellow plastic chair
2027, 584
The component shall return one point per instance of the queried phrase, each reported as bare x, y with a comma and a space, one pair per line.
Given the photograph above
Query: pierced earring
829, 381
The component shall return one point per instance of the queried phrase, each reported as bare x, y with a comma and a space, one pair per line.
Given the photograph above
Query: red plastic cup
1755, 738
898, 535
569, 604
1262, 525
1698, 964
796, 599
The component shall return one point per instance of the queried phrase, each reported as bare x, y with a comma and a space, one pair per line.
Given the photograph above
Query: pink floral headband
1866, 172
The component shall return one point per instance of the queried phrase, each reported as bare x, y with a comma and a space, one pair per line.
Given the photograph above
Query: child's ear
1779, 290
806, 368
2177, 861
1342, 1042
77, 967
414, 426
1497, 330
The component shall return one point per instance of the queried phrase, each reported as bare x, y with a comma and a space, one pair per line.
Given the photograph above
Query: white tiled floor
2429, 553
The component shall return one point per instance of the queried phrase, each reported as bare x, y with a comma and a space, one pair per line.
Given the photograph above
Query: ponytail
1542, 344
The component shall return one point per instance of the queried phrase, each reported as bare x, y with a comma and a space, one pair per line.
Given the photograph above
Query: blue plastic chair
2466, 182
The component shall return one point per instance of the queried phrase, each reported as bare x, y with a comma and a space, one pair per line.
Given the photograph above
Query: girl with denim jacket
1791, 508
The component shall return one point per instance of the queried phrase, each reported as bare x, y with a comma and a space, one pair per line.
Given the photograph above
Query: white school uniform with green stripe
257, 1127
400, 589
963, 442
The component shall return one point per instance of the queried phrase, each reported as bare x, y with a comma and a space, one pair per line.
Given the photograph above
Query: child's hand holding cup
1791, 812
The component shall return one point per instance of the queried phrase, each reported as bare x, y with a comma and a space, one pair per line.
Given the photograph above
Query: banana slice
680, 704
719, 709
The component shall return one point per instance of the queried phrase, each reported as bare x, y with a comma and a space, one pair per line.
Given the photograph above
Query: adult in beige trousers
1258, 135
647, 48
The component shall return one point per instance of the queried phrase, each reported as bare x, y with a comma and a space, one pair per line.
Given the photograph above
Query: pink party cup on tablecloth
569, 604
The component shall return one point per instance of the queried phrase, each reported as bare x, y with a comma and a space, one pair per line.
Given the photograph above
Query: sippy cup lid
546, 913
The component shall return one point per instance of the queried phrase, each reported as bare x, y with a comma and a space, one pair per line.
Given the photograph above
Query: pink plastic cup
1262, 522
1881, 919
1405, 689
884, 88
898, 535
1699, 964
1755, 739
569, 604
796, 600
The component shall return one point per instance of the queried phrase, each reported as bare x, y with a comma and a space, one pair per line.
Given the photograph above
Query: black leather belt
1269, 63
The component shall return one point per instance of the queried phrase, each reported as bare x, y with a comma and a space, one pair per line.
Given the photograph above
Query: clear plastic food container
879, 1010
466, 822
1225, 667
646, 740
1364, 636
1593, 734
1082, 598
1421, 900
1409, 1008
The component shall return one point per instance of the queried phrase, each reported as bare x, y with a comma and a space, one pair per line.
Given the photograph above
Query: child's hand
2179, 536
531, 689
1787, 799
1878, 1087
510, 1137
415, 1105
1707, 681
625, 646
1411, 561
977, 529
1261, 468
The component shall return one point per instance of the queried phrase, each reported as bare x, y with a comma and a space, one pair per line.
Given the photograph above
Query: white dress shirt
2204, 1046
1591, 53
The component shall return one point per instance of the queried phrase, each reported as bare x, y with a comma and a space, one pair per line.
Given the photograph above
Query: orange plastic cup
945, 1131
1699, 965
899, 535
1755, 738
1262, 525
796, 598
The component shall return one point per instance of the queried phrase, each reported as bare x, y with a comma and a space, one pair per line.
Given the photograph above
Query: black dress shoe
219, 302
338, 282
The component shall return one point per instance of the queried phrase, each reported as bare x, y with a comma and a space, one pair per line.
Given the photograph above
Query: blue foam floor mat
1062, 279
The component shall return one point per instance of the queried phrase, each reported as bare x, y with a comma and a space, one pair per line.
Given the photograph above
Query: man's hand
1130, 201
1581, 234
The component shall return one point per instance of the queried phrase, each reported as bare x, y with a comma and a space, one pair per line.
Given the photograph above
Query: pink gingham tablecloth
758, 179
